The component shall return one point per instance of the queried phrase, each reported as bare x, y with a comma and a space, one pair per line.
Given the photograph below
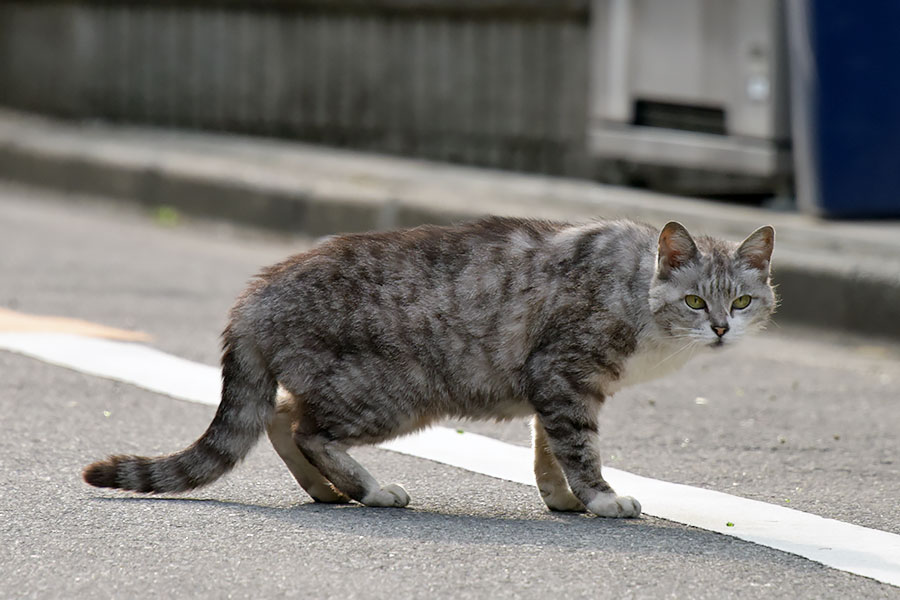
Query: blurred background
789, 104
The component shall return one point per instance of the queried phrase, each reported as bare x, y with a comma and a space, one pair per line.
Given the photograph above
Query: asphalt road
806, 419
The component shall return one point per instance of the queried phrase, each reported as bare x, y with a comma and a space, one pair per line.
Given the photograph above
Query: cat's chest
649, 363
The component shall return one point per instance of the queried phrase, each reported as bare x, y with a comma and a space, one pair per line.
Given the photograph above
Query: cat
370, 336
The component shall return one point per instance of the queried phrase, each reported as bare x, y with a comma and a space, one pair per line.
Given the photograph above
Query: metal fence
500, 83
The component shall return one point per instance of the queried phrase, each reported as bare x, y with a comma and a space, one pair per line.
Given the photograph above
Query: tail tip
101, 474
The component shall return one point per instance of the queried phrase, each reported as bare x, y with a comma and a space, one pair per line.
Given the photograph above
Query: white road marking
11, 321
860, 550
132, 363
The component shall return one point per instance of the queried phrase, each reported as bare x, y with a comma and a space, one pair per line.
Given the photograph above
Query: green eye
742, 302
695, 302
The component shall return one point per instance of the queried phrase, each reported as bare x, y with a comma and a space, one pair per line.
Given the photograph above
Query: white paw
617, 507
389, 495
562, 499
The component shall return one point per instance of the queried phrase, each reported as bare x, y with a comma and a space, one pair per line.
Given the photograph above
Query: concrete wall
499, 83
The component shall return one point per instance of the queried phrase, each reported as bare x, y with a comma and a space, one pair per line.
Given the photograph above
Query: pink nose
720, 331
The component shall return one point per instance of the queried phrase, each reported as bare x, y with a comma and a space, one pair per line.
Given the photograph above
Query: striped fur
248, 399
371, 336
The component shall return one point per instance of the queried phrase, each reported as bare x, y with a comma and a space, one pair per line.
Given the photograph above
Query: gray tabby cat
372, 336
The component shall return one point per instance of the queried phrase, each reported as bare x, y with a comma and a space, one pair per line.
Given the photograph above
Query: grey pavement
799, 417
830, 274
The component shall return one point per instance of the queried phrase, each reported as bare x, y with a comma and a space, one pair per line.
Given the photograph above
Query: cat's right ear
676, 248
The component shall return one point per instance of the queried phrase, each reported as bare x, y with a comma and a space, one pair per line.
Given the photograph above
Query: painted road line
11, 320
859, 550
132, 363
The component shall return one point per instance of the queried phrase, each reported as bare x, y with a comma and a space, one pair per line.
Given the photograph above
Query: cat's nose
720, 329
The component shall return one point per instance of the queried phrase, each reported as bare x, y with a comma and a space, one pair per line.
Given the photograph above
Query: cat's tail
247, 405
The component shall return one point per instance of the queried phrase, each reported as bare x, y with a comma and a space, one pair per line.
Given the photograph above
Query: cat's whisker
682, 333
690, 344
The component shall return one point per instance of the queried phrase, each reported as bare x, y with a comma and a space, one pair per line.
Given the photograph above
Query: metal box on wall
691, 84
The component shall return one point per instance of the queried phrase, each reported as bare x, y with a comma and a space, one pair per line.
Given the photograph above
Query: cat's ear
676, 248
756, 250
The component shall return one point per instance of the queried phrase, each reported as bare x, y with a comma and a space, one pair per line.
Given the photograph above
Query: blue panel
854, 105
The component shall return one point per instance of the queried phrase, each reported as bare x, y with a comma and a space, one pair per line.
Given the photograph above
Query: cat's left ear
756, 250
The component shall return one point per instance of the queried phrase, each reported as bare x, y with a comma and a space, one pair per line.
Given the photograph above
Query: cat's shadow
571, 531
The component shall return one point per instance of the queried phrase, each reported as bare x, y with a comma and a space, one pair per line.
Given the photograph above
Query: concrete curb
835, 275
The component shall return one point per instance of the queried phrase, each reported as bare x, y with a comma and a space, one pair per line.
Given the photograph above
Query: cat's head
709, 291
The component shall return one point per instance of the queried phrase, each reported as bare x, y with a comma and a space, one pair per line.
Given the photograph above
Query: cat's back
469, 279
447, 250
499, 255
380, 273
432, 251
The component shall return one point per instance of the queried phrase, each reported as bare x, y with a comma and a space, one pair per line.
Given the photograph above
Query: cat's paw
617, 507
562, 499
327, 494
389, 495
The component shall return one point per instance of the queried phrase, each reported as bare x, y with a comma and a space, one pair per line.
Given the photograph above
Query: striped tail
248, 400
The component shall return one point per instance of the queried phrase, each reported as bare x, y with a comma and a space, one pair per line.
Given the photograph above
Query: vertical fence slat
296, 74
271, 74
371, 78
195, 40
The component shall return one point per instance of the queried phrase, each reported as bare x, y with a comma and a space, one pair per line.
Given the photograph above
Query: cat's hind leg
330, 457
325, 424
551, 481
309, 478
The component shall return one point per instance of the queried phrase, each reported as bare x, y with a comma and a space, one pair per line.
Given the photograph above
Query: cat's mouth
719, 343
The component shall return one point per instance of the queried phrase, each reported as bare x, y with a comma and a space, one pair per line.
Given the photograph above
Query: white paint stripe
843, 546
132, 363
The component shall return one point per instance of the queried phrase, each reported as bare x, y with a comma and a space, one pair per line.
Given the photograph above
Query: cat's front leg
570, 423
551, 481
